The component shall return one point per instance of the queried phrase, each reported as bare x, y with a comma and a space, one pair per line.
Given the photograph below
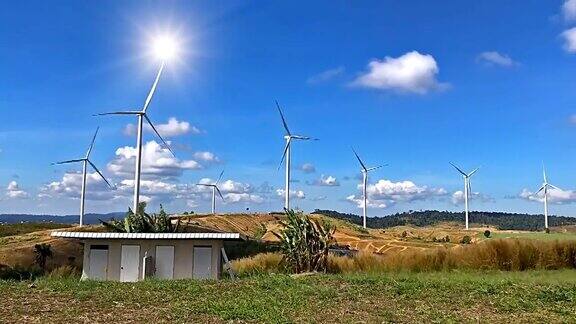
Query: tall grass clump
502, 254
258, 264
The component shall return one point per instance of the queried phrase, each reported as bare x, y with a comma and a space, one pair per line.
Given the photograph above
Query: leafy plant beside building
142, 222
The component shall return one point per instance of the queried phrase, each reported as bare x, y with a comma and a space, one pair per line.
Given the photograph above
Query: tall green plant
304, 242
141, 222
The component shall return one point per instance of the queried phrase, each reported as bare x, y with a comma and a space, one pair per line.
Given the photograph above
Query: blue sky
416, 85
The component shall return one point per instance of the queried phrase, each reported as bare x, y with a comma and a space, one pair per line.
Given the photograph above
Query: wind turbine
286, 155
215, 189
164, 48
545, 186
364, 171
467, 188
85, 161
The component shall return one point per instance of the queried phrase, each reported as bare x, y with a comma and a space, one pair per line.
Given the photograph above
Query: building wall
183, 255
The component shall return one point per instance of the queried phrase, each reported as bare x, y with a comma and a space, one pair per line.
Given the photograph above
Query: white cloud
359, 202
569, 36
555, 196
298, 194
71, 185
156, 162
171, 129
569, 10
308, 168
458, 197
495, 58
385, 193
327, 181
13, 191
242, 197
410, 73
319, 198
207, 157
325, 75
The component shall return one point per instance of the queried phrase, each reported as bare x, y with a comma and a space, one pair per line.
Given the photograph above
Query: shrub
19, 272
466, 240
487, 233
304, 243
41, 253
547, 230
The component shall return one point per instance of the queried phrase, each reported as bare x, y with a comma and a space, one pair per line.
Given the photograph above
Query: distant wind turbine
467, 188
365, 171
85, 161
286, 155
141, 116
545, 186
215, 189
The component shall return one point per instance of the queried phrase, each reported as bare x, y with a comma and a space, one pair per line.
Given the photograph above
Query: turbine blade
119, 113
100, 173
359, 160
541, 188
219, 193
204, 185
283, 119
457, 168
305, 138
553, 186
68, 161
156, 131
284, 154
220, 177
153, 89
544, 174
473, 171
376, 167
92, 143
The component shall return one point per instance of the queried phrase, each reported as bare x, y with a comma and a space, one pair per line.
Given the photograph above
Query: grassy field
535, 235
19, 229
514, 297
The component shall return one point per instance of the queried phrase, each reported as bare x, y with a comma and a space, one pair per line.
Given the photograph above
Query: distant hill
67, 219
500, 220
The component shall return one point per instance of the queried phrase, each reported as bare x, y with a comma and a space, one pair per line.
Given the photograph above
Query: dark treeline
500, 220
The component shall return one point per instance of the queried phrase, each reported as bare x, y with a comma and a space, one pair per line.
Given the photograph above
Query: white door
98, 265
164, 261
129, 263
202, 262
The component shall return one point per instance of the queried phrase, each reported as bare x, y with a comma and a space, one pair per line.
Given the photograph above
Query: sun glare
165, 47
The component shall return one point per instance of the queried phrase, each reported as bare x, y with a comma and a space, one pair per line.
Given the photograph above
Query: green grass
521, 297
536, 236
23, 228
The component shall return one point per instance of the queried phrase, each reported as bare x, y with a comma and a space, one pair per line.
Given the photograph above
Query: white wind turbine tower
467, 188
364, 171
85, 161
545, 186
215, 189
286, 155
165, 48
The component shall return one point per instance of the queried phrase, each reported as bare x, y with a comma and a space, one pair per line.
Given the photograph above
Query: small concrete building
136, 256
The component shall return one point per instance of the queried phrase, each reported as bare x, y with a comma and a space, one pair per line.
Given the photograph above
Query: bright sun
165, 47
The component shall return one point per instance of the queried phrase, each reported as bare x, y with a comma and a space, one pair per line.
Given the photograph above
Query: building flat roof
150, 236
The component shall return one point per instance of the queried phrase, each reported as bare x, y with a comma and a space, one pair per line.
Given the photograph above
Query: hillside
499, 220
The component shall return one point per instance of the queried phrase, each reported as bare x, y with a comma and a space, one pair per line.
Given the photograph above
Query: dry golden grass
260, 263
506, 255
